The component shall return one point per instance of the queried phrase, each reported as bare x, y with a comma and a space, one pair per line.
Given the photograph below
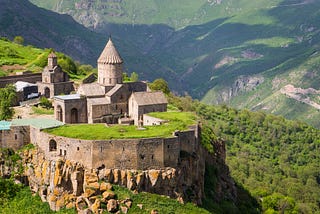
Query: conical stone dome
110, 54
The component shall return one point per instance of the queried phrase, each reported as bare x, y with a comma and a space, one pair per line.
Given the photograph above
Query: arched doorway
59, 115
47, 92
74, 115
52, 145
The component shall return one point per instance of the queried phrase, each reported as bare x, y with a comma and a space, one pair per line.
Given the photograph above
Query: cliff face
65, 183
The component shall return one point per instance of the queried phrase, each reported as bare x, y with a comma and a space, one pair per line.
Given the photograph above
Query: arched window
52, 145
47, 92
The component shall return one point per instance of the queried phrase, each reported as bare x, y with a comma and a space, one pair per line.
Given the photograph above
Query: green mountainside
241, 53
16, 57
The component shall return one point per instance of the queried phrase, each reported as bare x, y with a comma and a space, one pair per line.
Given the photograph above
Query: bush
45, 103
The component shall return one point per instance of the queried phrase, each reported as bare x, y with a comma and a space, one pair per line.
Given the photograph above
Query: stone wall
66, 148
188, 140
15, 138
32, 78
140, 154
55, 88
137, 111
71, 110
151, 121
97, 112
109, 74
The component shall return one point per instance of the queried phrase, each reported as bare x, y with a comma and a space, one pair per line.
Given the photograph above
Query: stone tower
110, 66
52, 61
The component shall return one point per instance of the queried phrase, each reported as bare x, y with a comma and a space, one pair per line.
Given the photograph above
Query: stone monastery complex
110, 101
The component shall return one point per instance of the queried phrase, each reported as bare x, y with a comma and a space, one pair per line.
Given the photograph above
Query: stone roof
110, 54
69, 97
52, 55
149, 98
98, 101
136, 86
114, 90
91, 90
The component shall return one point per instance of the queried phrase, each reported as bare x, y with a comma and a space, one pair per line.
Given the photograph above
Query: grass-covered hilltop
176, 121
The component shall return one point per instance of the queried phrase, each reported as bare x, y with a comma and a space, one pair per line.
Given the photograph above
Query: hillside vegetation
18, 198
241, 53
16, 57
277, 160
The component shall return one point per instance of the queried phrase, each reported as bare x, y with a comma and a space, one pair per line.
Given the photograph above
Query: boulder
96, 206
124, 209
105, 186
112, 206
108, 195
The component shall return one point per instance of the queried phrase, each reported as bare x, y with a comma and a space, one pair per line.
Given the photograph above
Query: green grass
40, 110
15, 54
15, 57
156, 202
178, 121
24, 203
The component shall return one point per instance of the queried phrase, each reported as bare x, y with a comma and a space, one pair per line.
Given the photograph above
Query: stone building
54, 80
106, 101
141, 103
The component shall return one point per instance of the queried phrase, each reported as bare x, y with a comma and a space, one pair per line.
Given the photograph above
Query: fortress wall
120, 154
140, 154
75, 150
71, 149
150, 153
15, 138
32, 78
171, 151
187, 140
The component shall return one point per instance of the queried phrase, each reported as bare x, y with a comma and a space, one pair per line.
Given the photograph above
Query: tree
7, 96
19, 40
160, 85
134, 77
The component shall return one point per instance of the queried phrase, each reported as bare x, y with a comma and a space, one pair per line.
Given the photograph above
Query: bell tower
52, 60
110, 66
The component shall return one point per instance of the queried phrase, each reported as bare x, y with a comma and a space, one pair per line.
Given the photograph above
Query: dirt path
27, 112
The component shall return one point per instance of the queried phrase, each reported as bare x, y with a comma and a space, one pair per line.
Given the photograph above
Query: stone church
54, 80
109, 100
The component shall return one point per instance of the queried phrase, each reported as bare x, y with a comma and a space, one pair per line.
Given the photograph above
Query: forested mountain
239, 52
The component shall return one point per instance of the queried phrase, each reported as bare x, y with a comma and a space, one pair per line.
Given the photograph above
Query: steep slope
220, 51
